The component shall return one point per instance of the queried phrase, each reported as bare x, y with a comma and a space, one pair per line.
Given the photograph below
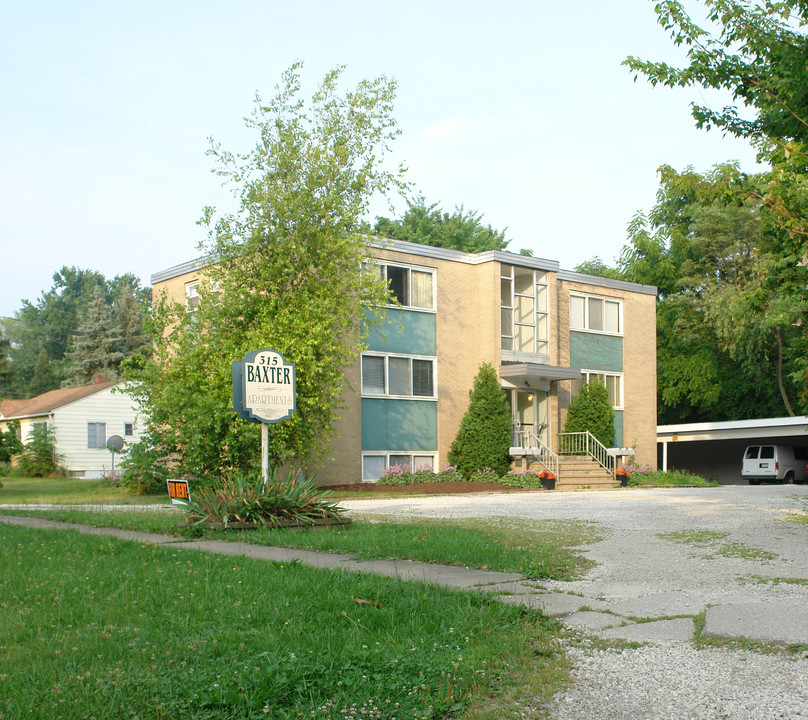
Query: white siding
70, 424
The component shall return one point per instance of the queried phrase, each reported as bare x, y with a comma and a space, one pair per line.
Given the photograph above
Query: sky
518, 110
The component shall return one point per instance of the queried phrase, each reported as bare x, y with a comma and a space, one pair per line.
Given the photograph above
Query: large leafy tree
758, 53
430, 225
719, 357
288, 276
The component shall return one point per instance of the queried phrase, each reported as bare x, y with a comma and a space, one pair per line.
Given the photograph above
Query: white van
774, 463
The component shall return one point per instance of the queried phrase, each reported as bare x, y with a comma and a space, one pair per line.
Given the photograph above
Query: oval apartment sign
264, 387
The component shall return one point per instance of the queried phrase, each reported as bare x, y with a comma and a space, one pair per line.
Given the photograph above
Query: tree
288, 277
718, 356
484, 438
590, 411
97, 347
429, 225
43, 378
10, 444
5, 365
48, 324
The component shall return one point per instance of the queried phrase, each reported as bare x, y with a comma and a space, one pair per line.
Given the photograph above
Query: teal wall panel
596, 352
389, 424
405, 332
618, 429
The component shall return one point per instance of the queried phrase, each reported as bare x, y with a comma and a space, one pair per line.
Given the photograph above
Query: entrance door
530, 414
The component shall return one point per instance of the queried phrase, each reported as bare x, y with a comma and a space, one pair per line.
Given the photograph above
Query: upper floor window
128, 429
191, 296
411, 287
523, 307
397, 375
596, 314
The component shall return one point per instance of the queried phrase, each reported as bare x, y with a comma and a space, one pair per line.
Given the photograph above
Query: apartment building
547, 331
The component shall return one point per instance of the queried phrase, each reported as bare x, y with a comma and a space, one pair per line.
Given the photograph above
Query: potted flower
548, 480
622, 475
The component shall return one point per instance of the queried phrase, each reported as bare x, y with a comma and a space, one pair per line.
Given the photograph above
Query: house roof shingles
49, 401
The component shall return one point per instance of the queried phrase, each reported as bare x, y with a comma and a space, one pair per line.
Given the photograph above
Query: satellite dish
115, 443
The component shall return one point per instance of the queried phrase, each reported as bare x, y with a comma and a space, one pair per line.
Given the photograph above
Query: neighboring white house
83, 419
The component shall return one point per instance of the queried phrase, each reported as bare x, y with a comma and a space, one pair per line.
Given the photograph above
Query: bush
245, 499
398, 475
39, 457
484, 437
10, 444
143, 469
590, 411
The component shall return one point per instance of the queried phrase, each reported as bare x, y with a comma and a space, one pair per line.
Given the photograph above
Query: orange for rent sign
178, 492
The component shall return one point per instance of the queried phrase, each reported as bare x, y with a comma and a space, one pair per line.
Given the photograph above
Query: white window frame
192, 298
92, 440
586, 375
387, 454
382, 266
541, 290
586, 297
129, 426
386, 394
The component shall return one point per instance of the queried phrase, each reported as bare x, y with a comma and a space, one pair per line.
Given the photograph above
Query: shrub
399, 475
485, 475
246, 499
39, 457
10, 444
484, 437
143, 467
590, 411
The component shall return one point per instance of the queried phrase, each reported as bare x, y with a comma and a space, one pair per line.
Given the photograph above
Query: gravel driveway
670, 555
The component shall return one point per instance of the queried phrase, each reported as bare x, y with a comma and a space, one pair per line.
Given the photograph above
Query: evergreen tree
590, 411
484, 437
97, 347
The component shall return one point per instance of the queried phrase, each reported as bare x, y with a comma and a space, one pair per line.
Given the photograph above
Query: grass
70, 491
669, 478
98, 627
739, 643
538, 550
773, 581
717, 544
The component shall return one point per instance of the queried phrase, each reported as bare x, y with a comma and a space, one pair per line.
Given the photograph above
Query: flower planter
548, 483
623, 480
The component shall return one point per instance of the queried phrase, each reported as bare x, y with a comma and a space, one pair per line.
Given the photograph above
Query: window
523, 310
410, 287
595, 314
128, 429
612, 381
96, 435
374, 464
398, 375
191, 296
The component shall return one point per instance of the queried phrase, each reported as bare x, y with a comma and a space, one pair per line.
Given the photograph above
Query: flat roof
734, 429
445, 254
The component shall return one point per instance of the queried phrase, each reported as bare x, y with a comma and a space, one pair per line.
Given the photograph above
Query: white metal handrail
584, 443
532, 445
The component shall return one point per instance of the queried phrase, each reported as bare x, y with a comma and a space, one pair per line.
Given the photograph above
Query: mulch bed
437, 488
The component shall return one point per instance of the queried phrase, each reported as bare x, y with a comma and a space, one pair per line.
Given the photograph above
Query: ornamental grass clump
246, 499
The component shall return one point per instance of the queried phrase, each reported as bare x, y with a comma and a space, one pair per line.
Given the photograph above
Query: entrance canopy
534, 375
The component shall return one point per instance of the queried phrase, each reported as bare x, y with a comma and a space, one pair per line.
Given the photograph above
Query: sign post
264, 392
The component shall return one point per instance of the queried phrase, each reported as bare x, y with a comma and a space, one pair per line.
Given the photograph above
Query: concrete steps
579, 472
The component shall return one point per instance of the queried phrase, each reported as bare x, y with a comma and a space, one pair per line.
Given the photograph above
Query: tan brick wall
639, 364
639, 367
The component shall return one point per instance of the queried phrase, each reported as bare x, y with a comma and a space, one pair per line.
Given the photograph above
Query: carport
715, 450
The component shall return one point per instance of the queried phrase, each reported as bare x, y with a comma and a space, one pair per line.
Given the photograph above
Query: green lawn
70, 491
97, 627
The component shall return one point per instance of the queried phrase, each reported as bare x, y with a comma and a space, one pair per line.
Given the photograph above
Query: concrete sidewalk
782, 621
